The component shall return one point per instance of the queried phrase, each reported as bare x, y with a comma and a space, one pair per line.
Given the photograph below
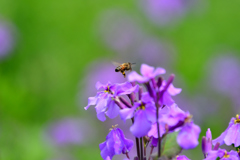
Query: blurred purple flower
69, 132
222, 154
115, 143
6, 39
231, 135
104, 100
163, 12
121, 33
224, 74
151, 50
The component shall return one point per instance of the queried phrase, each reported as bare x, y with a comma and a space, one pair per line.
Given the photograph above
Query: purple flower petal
91, 101
147, 70
141, 124
188, 136
127, 113
182, 157
173, 91
233, 135
113, 110
159, 71
150, 112
134, 76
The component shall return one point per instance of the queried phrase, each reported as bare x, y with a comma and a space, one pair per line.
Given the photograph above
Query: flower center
237, 120
226, 155
108, 90
113, 127
142, 106
188, 118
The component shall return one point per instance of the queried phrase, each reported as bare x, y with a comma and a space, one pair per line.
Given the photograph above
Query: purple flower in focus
6, 40
207, 143
231, 135
105, 100
179, 120
222, 154
182, 157
148, 73
143, 112
115, 143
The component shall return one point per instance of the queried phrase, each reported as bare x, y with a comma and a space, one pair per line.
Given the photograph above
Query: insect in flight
123, 67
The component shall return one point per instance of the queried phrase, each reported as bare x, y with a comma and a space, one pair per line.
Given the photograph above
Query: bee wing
133, 64
116, 63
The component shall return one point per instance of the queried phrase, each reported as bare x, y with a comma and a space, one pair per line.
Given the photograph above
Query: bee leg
124, 74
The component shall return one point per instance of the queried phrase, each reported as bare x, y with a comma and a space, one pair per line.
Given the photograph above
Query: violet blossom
105, 100
148, 72
115, 143
181, 121
231, 135
222, 154
207, 143
143, 112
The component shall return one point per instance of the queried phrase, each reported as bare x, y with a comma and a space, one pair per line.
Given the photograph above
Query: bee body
124, 67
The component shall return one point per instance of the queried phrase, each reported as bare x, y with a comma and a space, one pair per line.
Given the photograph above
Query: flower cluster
231, 136
147, 100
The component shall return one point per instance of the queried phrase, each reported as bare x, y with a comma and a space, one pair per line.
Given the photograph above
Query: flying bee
123, 67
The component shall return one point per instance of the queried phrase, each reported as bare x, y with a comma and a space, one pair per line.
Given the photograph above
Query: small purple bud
135, 158
170, 80
149, 88
159, 82
140, 91
204, 143
209, 134
154, 83
216, 146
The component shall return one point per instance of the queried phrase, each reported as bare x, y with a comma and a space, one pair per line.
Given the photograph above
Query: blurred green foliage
56, 41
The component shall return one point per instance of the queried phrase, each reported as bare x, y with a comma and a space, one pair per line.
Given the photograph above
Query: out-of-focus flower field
53, 52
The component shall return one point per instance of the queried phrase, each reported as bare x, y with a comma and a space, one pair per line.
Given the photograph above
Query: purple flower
222, 154
182, 157
231, 135
179, 120
164, 11
148, 72
144, 113
105, 100
154, 132
69, 131
207, 143
188, 136
6, 40
115, 143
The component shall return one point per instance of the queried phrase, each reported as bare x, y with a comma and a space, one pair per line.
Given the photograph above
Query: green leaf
170, 148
